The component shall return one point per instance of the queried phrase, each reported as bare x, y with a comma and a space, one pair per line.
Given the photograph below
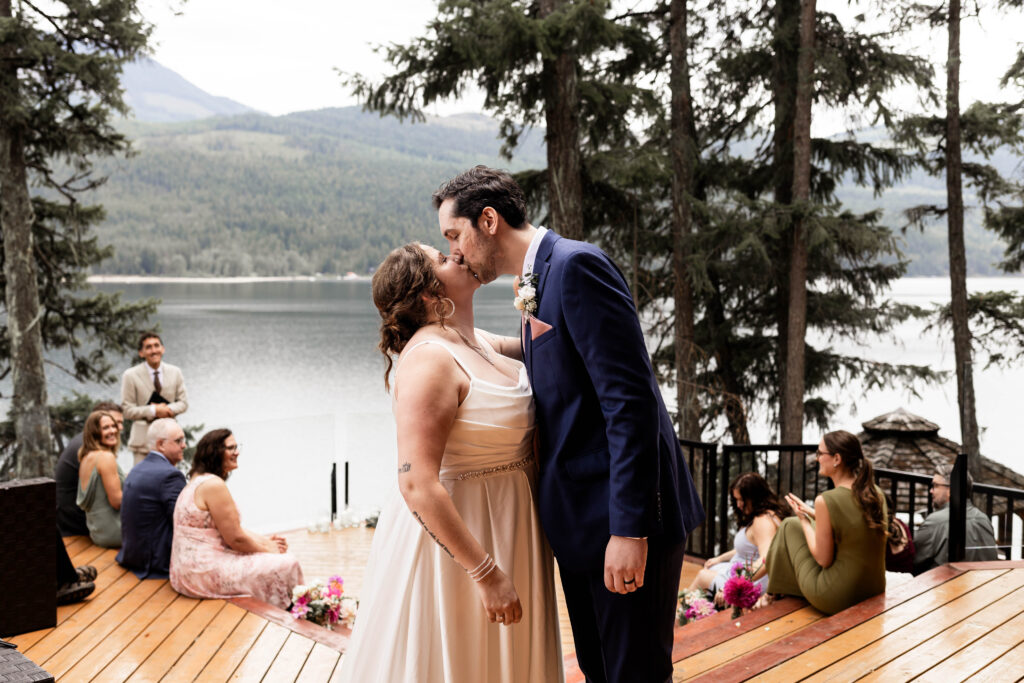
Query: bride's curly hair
399, 286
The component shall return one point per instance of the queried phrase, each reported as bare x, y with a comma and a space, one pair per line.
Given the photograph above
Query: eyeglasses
821, 453
935, 486
233, 449
180, 441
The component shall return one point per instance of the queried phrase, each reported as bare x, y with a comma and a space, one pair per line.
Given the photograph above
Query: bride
459, 584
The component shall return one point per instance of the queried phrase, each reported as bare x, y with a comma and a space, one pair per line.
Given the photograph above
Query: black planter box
28, 555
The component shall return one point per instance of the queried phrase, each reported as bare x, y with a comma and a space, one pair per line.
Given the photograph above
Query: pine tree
940, 142
59, 87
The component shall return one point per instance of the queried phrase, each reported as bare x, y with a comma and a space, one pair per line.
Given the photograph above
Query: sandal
86, 572
74, 592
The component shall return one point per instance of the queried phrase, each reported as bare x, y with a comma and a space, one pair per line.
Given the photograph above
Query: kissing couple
510, 449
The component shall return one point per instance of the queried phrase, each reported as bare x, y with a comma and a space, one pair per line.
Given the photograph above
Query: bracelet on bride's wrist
483, 569
490, 569
480, 566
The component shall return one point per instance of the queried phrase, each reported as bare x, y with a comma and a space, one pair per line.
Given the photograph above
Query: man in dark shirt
70, 517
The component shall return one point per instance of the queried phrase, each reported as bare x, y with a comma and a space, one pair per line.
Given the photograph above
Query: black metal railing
793, 468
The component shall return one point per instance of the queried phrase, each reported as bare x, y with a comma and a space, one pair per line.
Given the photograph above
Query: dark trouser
65, 570
622, 638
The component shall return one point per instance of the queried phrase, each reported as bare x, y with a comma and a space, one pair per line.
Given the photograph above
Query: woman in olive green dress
834, 554
100, 480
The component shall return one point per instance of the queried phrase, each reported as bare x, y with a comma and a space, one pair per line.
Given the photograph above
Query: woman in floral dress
212, 555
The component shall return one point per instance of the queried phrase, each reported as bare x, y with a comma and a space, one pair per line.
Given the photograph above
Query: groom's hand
624, 562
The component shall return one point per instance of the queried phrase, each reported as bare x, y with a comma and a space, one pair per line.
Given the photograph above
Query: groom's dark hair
480, 187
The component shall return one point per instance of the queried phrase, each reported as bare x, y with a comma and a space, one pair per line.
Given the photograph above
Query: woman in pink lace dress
212, 555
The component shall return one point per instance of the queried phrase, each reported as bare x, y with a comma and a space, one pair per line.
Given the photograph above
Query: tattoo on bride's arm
404, 468
436, 539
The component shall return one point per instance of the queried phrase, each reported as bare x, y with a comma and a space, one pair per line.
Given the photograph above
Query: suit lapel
540, 269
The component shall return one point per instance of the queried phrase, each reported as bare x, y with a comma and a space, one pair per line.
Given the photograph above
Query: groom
616, 498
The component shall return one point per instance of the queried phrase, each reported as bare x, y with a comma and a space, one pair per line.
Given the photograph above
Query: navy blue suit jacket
147, 516
610, 461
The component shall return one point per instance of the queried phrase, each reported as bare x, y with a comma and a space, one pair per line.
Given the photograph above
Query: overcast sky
280, 57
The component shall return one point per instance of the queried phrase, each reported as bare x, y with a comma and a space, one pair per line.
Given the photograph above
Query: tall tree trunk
957, 254
784, 86
794, 383
684, 155
561, 113
31, 417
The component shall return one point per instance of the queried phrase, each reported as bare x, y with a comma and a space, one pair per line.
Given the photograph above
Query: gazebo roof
900, 420
903, 441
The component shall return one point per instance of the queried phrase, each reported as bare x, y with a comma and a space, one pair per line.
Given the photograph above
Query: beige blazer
137, 387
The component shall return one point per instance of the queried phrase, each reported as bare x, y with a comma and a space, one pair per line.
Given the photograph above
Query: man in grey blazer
151, 390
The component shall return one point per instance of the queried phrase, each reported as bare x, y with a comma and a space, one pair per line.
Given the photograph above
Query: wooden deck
958, 622
132, 630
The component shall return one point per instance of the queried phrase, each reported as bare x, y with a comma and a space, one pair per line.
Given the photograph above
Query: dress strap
439, 342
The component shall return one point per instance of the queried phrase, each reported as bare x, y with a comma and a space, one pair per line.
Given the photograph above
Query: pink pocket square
538, 327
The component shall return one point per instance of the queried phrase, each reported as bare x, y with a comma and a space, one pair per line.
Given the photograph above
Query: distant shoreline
207, 279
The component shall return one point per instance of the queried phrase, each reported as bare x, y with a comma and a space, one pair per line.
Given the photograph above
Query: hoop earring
440, 313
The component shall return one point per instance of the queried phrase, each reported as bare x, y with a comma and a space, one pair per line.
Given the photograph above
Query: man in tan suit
150, 391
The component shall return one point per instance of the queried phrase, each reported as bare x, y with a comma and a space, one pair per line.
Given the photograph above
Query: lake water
292, 368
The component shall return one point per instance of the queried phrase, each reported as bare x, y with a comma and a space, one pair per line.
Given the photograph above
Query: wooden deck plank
694, 666
90, 611
851, 639
990, 647
801, 641
694, 638
95, 661
262, 653
181, 637
132, 657
336, 639
235, 648
289, 660
82, 644
336, 676
88, 555
931, 622
75, 544
320, 665
958, 636
103, 581
206, 645
1006, 668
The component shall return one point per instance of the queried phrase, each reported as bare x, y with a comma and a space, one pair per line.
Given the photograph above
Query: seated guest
150, 492
900, 550
213, 556
758, 513
833, 554
70, 517
932, 537
100, 480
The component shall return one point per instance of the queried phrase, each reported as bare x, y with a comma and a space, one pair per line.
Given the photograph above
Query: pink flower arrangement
324, 604
740, 591
693, 606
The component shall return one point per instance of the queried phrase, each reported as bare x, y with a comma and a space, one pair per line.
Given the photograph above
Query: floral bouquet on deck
693, 606
740, 591
324, 604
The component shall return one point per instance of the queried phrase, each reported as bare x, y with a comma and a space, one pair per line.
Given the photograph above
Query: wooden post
958, 510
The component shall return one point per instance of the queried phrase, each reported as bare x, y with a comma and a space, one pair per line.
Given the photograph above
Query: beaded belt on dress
497, 469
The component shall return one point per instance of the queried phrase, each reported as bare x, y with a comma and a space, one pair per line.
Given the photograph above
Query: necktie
156, 381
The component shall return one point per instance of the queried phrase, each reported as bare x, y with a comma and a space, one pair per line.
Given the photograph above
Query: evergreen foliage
59, 91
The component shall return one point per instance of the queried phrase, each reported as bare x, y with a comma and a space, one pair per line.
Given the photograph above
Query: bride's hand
499, 597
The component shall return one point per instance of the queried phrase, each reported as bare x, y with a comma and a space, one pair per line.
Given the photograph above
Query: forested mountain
323, 191
333, 190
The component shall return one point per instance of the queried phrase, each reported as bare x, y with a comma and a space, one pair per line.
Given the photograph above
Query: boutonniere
526, 294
